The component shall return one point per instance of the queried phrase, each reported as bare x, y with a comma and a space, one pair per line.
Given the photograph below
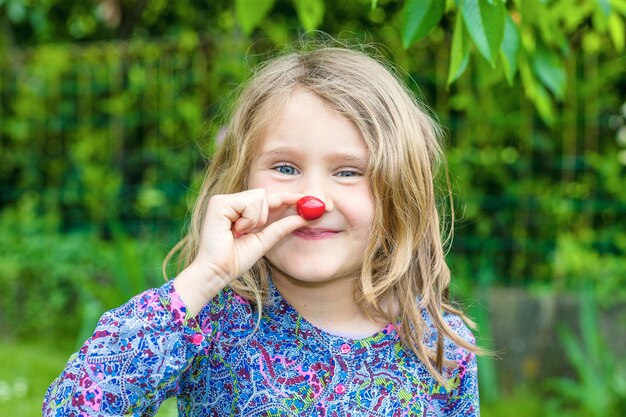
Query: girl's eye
348, 173
286, 169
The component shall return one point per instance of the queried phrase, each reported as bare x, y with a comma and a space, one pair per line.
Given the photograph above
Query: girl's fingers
256, 211
252, 214
245, 217
277, 200
241, 211
249, 210
278, 230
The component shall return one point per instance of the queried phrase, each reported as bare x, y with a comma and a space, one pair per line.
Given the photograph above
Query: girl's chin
309, 275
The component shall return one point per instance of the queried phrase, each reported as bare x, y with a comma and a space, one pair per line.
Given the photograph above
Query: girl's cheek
260, 181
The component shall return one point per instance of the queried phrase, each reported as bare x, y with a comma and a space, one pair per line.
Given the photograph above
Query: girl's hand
234, 237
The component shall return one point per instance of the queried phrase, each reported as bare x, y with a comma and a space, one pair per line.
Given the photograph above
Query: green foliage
510, 49
578, 261
118, 126
310, 13
132, 267
250, 13
420, 17
503, 33
600, 387
484, 21
536, 32
41, 275
55, 284
550, 70
459, 57
617, 31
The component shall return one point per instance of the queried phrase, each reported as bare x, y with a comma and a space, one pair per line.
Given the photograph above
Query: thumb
273, 233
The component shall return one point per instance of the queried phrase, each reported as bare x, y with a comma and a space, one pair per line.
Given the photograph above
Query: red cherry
310, 208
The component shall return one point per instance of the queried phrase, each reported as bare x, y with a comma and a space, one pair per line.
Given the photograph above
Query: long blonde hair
405, 257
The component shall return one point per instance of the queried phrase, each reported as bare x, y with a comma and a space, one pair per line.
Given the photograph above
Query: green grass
521, 403
26, 371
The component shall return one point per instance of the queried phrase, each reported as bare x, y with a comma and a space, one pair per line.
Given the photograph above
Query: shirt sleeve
462, 398
134, 360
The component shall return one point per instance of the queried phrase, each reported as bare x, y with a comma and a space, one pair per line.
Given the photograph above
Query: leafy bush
599, 389
55, 284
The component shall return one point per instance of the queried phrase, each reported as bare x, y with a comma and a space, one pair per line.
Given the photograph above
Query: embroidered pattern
149, 349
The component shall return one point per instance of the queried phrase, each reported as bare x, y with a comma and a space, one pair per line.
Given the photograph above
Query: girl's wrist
197, 285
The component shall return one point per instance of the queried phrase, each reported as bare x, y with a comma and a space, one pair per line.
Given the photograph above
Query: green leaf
573, 350
310, 13
485, 24
459, 54
619, 5
593, 340
605, 6
567, 388
549, 68
536, 93
543, 104
419, 17
510, 48
617, 32
374, 4
250, 13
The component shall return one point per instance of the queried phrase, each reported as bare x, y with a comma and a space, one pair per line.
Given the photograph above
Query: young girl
275, 315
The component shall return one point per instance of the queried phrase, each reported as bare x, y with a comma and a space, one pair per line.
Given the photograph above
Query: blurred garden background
108, 116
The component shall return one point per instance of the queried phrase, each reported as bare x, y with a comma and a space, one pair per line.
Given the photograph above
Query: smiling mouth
315, 233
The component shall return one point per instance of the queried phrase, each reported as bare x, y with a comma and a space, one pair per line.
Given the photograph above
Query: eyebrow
283, 151
279, 152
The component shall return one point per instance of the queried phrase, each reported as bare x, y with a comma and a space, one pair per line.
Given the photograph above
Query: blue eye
348, 173
286, 169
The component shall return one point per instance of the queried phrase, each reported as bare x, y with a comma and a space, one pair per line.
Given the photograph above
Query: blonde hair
405, 257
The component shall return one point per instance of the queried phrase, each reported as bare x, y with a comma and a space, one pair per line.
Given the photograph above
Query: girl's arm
133, 361
463, 399
139, 352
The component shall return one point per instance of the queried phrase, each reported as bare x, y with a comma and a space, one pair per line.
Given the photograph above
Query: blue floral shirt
149, 349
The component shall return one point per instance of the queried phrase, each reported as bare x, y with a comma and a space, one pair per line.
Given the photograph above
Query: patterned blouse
149, 349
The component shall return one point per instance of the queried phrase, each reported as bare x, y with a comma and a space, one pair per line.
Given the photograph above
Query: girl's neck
329, 306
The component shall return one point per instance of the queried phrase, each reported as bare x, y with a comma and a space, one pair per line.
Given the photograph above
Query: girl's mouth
315, 233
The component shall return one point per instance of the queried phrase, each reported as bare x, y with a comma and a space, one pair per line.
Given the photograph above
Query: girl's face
311, 149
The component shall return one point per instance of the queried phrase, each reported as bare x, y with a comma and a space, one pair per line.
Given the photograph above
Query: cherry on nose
310, 208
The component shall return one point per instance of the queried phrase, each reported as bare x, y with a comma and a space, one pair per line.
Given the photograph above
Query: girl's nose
328, 202
315, 183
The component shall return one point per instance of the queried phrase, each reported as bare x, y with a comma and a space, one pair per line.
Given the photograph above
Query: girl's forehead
289, 122
303, 112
